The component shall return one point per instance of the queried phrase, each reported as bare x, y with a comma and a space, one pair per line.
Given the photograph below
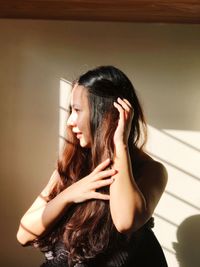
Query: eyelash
75, 109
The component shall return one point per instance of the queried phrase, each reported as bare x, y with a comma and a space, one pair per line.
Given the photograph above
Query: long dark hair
87, 229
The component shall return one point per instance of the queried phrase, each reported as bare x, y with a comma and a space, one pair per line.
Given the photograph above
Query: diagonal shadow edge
174, 166
182, 200
64, 109
165, 219
179, 140
169, 250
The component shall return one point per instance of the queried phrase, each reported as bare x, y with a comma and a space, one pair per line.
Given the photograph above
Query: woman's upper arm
152, 183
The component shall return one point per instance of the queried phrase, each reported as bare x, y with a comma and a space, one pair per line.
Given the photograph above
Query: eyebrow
75, 106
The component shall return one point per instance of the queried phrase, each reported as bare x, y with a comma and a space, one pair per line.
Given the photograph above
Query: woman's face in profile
80, 115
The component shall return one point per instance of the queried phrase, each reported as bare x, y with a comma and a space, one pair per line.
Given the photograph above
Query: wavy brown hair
87, 228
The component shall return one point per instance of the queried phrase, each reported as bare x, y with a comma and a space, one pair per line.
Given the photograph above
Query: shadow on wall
187, 247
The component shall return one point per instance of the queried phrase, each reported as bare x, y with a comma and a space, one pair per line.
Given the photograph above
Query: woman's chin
83, 143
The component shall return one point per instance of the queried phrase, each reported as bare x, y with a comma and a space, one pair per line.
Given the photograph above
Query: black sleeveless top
142, 250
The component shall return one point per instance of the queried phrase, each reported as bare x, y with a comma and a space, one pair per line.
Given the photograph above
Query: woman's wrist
120, 146
65, 195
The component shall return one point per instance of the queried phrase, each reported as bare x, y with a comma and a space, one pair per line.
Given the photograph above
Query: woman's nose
71, 120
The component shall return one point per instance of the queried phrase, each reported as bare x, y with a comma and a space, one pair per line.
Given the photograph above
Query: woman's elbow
130, 223
23, 238
125, 226
128, 228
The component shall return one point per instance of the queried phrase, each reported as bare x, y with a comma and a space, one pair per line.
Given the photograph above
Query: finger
127, 102
119, 107
105, 174
123, 104
103, 183
130, 106
122, 115
102, 166
98, 195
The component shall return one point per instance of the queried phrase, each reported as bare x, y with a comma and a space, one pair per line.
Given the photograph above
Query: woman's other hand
122, 131
85, 188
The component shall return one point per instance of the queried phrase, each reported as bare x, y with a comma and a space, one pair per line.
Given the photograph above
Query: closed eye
73, 109
76, 109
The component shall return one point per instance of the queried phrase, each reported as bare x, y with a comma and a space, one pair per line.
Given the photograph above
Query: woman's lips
78, 135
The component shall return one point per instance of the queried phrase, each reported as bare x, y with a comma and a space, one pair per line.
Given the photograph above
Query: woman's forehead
79, 94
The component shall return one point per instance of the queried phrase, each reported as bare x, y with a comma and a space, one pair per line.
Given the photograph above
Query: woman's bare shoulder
151, 167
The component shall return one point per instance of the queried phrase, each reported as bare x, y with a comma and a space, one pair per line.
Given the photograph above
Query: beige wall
163, 62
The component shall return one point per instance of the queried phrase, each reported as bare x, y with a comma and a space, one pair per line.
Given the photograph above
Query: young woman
97, 207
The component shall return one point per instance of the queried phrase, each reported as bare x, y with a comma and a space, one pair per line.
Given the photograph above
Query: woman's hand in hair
85, 188
122, 131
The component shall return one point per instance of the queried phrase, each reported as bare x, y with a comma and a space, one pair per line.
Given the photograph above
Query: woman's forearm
41, 216
36, 222
126, 200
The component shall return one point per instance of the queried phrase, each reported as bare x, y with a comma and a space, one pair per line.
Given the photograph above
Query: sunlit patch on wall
64, 102
179, 152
